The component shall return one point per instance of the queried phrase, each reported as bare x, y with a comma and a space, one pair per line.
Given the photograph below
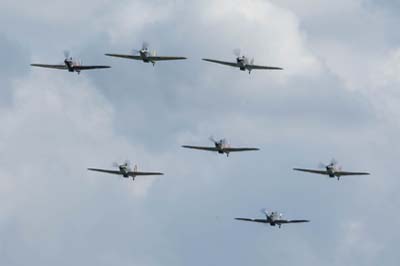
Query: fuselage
273, 218
242, 62
124, 169
331, 170
70, 64
221, 146
145, 54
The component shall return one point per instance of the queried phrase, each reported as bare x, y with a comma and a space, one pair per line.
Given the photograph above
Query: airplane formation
332, 170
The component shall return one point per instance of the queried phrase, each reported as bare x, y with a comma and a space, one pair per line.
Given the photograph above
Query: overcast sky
338, 97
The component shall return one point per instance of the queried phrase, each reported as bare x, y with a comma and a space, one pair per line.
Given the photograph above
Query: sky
337, 97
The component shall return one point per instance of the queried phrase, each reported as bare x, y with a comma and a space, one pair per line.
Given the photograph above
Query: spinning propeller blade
211, 138
264, 211
66, 54
237, 52
145, 45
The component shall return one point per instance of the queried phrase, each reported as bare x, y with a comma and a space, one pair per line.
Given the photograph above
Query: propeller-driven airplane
220, 146
71, 65
242, 62
146, 55
125, 171
332, 170
272, 219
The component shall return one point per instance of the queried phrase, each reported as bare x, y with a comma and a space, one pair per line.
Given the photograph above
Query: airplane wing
115, 172
134, 57
144, 173
221, 62
165, 58
252, 220
240, 149
321, 172
264, 67
200, 148
62, 67
342, 173
291, 221
90, 67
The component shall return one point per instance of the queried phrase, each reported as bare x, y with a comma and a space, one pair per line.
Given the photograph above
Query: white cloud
58, 124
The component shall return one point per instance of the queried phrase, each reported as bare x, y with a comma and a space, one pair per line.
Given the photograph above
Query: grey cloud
57, 213
391, 6
15, 58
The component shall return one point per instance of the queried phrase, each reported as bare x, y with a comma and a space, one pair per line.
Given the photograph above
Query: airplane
242, 62
220, 146
125, 171
146, 55
272, 219
332, 170
71, 65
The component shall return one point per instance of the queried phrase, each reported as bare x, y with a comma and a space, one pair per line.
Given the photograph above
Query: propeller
115, 164
237, 52
321, 165
224, 141
212, 139
334, 162
127, 162
145, 45
264, 211
252, 61
135, 51
66, 54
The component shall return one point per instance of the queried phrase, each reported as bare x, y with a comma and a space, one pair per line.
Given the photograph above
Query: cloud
335, 98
